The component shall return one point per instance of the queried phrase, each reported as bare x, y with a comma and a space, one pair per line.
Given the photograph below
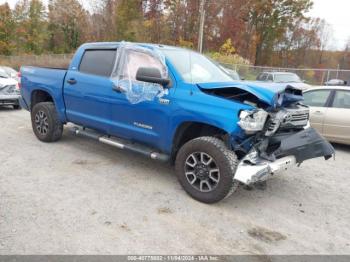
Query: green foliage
128, 19
270, 20
35, 25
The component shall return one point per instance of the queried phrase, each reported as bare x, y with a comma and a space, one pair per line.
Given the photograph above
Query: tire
45, 122
16, 107
193, 166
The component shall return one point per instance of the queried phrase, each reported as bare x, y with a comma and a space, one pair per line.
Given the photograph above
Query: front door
141, 109
317, 101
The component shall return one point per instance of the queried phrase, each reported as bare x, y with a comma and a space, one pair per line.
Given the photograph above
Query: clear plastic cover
130, 58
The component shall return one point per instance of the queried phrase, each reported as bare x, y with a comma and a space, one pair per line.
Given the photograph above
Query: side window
98, 62
270, 78
342, 99
130, 59
135, 60
316, 98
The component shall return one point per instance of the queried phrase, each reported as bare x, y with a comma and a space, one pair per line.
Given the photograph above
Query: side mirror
151, 75
242, 78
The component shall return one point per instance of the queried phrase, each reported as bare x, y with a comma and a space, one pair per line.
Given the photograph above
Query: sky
335, 12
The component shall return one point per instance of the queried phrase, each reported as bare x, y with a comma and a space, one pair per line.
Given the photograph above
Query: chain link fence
48, 60
309, 75
248, 72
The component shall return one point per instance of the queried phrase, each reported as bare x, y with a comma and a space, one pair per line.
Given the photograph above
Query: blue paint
92, 102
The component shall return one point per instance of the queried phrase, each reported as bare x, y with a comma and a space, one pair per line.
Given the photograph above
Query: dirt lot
80, 197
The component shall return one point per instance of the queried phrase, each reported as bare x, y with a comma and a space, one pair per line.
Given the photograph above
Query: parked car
9, 92
330, 112
175, 105
336, 82
10, 71
284, 78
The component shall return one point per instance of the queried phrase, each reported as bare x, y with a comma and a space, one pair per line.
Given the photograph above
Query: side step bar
121, 144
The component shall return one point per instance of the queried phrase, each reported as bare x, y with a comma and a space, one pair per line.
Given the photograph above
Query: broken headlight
252, 121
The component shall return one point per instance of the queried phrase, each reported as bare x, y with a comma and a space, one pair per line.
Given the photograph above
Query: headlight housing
252, 121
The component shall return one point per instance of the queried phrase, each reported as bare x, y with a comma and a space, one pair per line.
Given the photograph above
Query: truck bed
49, 80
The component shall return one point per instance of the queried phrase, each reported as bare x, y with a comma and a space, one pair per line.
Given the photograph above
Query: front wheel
45, 122
205, 168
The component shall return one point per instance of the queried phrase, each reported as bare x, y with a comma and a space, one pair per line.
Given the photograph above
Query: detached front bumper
290, 150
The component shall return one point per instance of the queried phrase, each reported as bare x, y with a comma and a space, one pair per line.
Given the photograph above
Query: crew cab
174, 105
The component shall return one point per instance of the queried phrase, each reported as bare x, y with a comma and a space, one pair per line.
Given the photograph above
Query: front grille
287, 118
296, 117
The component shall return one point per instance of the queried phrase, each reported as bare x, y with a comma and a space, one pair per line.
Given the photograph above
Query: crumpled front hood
265, 92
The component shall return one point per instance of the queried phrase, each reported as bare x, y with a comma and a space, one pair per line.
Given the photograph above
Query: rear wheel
16, 107
205, 168
45, 122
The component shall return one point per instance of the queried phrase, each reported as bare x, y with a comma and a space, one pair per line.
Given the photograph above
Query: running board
121, 144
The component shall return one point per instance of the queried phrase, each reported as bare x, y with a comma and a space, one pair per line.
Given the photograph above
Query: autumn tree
68, 25
155, 21
270, 20
6, 29
35, 26
128, 19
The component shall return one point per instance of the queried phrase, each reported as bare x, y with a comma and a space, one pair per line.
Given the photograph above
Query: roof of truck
116, 44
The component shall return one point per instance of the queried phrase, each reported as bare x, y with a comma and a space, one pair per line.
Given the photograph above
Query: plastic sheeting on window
130, 58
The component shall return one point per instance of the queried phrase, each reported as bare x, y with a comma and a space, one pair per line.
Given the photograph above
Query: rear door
88, 90
337, 118
318, 101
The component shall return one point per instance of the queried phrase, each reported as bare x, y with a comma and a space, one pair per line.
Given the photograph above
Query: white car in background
283, 78
10, 72
335, 82
9, 91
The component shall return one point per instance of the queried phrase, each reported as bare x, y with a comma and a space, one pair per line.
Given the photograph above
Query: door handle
318, 113
72, 81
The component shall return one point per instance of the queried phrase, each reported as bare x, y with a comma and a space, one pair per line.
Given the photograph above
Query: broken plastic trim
292, 149
130, 58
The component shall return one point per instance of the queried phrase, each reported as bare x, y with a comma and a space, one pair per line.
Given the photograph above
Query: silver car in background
12, 73
9, 90
283, 78
330, 112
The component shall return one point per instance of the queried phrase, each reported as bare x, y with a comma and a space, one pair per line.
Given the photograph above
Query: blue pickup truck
174, 105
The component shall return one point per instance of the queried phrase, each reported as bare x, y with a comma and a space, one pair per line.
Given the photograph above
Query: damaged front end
277, 135
281, 152
280, 139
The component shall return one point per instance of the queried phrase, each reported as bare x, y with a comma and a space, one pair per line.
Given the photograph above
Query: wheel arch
189, 130
38, 96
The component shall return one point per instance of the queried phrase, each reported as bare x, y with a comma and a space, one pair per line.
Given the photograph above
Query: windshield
195, 68
287, 78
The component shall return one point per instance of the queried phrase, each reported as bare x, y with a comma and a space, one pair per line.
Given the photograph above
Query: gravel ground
77, 196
